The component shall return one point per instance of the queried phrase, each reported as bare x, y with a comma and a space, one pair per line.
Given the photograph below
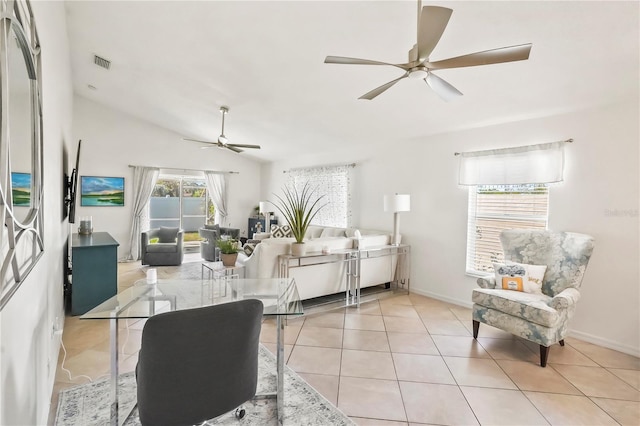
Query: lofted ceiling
174, 63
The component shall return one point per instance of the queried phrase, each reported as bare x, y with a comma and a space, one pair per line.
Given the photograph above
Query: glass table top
145, 299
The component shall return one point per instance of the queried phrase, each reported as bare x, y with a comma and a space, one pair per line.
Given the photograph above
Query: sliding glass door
181, 201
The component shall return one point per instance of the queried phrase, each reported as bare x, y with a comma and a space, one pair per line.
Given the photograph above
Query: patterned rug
88, 405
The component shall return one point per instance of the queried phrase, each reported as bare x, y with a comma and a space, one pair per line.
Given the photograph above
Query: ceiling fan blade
239, 145
355, 61
232, 148
443, 89
196, 140
378, 90
210, 146
487, 57
433, 21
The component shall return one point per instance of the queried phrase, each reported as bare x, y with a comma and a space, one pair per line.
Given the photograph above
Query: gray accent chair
540, 318
197, 364
211, 233
167, 251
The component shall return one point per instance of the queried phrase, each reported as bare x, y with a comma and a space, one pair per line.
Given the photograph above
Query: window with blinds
493, 208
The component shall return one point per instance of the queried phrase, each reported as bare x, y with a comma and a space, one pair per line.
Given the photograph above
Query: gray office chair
197, 364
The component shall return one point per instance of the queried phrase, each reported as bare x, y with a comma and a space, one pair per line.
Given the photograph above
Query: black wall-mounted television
73, 187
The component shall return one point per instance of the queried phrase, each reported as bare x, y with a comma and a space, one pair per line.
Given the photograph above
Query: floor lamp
397, 203
264, 206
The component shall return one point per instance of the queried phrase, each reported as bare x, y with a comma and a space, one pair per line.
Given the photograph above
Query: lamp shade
397, 203
264, 206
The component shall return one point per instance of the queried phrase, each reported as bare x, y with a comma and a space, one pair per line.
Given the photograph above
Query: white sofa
322, 279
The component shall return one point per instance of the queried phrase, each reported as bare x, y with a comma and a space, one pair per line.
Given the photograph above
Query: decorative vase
298, 249
229, 259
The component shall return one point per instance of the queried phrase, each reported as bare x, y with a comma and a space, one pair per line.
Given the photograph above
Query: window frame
532, 219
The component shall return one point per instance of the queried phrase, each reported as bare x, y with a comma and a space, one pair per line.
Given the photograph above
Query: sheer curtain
144, 179
217, 187
543, 163
334, 182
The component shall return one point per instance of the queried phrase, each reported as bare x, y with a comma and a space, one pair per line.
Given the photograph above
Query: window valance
542, 163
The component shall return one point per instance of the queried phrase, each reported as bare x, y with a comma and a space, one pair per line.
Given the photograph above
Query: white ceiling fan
432, 21
223, 142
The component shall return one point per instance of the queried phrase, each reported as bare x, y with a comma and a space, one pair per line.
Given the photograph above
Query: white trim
600, 341
585, 337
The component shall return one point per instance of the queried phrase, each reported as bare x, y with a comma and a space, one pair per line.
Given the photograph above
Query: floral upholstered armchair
539, 313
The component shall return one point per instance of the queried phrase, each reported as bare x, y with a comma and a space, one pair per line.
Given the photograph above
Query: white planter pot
298, 249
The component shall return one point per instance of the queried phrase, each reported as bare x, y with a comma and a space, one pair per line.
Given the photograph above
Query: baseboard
589, 338
463, 303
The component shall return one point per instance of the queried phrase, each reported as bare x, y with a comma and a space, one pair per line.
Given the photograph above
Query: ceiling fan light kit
223, 142
432, 21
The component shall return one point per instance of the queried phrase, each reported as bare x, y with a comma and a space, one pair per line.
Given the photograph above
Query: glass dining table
147, 298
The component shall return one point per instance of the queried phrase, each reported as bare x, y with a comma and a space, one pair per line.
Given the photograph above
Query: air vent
101, 62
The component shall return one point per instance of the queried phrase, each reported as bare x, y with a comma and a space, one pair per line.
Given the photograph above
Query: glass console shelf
399, 257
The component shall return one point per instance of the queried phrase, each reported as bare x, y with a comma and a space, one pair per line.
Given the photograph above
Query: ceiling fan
432, 21
222, 139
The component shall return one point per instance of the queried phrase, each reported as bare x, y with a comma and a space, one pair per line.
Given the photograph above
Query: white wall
111, 141
599, 196
29, 352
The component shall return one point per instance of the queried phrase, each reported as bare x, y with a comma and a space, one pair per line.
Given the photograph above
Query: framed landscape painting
101, 191
21, 189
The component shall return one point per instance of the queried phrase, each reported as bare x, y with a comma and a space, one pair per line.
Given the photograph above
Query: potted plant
298, 208
228, 251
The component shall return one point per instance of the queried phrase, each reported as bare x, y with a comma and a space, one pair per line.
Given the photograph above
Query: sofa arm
180, 239
487, 282
566, 298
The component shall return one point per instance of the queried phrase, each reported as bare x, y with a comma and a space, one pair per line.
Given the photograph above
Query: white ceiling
175, 63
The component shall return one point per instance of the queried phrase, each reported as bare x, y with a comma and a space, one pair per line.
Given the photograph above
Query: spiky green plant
298, 208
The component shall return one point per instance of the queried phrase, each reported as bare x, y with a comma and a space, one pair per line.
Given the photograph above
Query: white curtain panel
543, 163
144, 180
332, 182
217, 187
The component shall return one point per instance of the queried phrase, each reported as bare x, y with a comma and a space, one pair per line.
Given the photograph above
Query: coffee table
147, 298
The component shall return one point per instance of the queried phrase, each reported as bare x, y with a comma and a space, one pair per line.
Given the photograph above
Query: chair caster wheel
240, 412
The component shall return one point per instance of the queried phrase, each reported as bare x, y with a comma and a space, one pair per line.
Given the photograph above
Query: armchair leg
544, 353
561, 342
476, 327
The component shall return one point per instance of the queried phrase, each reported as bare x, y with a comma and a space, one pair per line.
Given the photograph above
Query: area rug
88, 405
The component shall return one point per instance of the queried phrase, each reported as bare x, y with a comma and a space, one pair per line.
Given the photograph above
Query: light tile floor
411, 360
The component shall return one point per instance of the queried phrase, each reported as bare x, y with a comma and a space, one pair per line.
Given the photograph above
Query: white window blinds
543, 163
494, 208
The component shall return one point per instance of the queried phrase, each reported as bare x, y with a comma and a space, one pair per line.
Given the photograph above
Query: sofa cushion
373, 240
333, 232
532, 307
167, 235
162, 248
313, 231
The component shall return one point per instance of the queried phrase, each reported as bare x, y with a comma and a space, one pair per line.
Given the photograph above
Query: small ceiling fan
222, 139
432, 21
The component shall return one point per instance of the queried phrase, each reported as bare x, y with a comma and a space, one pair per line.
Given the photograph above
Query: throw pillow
281, 231
167, 235
249, 248
510, 277
510, 274
535, 276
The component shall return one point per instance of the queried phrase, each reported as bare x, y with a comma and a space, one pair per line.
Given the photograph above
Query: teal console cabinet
94, 266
